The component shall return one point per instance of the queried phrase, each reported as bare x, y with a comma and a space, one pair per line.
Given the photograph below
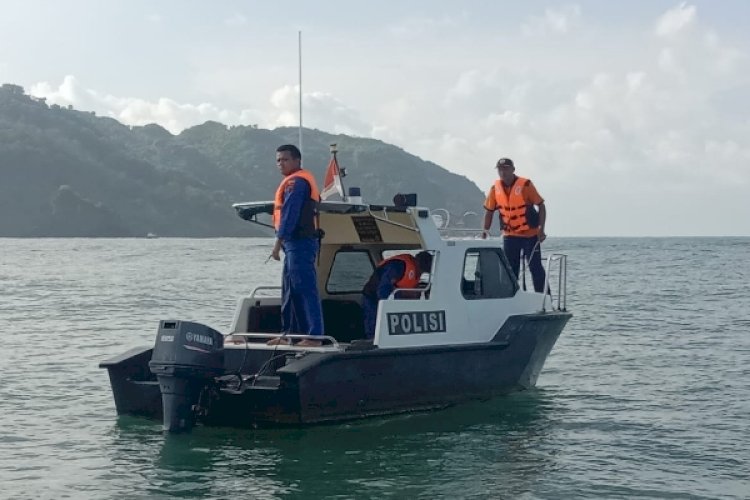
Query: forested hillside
65, 172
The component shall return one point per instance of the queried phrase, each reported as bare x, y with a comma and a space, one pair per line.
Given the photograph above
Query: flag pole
299, 51
344, 197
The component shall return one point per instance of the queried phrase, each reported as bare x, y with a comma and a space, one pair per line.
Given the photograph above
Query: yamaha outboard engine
187, 357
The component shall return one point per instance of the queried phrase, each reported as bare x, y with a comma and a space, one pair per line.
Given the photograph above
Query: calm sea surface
646, 394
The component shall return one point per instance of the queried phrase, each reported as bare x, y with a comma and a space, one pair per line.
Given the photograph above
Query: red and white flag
332, 183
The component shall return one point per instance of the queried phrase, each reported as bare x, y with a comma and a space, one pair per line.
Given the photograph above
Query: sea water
645, 395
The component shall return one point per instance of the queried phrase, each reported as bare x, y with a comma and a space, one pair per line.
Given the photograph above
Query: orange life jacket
311, 206
513, 207
411, 276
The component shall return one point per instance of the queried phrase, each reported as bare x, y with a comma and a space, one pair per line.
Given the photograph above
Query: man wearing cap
523, 226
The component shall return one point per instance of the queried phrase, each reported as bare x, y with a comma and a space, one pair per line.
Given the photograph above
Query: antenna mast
299, 50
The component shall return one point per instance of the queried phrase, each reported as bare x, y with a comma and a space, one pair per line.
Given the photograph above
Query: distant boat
152, 235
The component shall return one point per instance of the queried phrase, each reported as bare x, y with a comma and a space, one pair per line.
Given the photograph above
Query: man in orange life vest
523, 227
294, 215
399, 271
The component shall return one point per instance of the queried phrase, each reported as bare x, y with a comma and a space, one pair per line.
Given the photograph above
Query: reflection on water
494, 443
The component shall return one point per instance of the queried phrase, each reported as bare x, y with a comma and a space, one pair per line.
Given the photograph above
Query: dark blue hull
355, 383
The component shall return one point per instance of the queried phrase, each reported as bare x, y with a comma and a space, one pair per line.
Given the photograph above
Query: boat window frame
333, 266
507, 275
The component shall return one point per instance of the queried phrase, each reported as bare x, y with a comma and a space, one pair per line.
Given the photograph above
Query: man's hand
542, 235
276, 252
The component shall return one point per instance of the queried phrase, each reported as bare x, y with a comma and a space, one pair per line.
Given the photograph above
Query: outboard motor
187, 357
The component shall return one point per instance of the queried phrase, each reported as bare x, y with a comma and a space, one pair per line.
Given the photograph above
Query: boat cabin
469, 293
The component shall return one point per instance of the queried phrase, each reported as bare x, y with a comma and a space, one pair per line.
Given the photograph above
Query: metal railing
327, 342
386, 220
449, 231
266, 288
411, 293
557, 266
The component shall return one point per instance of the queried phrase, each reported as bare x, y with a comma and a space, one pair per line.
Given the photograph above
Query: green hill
70, 173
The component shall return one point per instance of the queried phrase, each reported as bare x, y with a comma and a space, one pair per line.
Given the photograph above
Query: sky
631, 118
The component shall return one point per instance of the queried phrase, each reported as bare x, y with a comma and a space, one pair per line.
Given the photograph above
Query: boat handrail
448, 233
461, 230
261, 288
422, 292
386, 220
558, 300
295, 336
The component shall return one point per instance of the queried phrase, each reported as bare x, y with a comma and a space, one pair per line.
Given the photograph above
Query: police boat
468, 331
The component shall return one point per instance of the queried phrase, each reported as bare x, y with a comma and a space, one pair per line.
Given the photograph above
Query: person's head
288, 159
506, 169
424, 261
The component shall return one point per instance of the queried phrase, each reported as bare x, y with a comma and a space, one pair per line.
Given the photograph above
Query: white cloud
154, 18
236, 20
702, 56
170, 114
507, 118
69, 92
320, 110
732, 154
391, 116
667, 61
725, 59
421, 26
649, 129
554, 22
676, 21
468, 84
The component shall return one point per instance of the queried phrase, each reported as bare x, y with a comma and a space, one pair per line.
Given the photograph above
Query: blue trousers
370, 316
301, 311
514, 245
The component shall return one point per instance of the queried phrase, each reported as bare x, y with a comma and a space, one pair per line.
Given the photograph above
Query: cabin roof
249, 210
362, 224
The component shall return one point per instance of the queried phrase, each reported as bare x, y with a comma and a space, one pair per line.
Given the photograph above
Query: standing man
400, 271
294, 216
522, 225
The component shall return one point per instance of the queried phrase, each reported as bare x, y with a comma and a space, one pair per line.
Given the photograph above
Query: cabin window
349, 272
487, 275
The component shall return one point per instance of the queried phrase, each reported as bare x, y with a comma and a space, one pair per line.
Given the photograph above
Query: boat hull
331, 386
